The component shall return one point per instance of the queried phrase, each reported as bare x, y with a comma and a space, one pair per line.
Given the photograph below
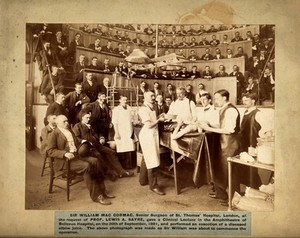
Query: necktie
206, 109
246, 111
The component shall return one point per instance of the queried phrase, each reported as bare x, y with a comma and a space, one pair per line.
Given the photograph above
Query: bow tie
88, 126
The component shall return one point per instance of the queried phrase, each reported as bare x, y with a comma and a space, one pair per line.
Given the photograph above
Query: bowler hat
84, 149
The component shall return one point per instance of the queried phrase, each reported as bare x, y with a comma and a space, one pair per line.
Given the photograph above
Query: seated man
229, 54
84, 132
108, 48
185, 110
138, 40
47, 90
107, 68
119, 50
45, 132
195, 73
99, 30
207, 55
94, 64
183, 73
193, 56
183, 42
207, 74
204, 41
218, 54
221, 72
237, 37
63, 145
193, 42
96, 46
214, 41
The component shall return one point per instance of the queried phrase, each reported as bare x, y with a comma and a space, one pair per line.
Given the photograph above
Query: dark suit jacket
52, 60
44, 139
221, 75
55, 109
106, 49
98, 121
77, 67
93, 46
58, 146
46, 85
172, 95
91, 91
70, 100
204, 73
72, 47
207, 57
82, 132
164, 109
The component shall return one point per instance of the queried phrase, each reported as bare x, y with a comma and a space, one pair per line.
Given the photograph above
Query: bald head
62, 121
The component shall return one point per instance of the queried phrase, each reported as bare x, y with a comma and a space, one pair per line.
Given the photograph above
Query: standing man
90, 87
186, 114
229, 142
160, 106
62, 145
74, 101
251, 127
56, 108
207, 112
149, 142
122, 121
100, 116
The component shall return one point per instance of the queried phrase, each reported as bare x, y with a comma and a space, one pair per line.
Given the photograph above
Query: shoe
106, 195
112, 177
126, 174
213, 195
224, 203
101, 199
157, 191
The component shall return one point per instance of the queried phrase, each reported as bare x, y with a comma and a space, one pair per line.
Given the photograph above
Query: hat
84, 149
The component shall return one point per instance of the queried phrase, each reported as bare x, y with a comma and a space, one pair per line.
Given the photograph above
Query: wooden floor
130, 195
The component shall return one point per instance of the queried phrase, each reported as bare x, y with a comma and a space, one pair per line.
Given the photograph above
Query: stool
66, 175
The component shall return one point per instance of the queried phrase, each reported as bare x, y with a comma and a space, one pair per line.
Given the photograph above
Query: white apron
122, 118
148, 138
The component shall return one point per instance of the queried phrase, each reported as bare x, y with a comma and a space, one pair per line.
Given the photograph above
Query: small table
237, 160
189, 146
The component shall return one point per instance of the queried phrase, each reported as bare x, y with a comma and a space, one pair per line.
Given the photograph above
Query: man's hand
69, 156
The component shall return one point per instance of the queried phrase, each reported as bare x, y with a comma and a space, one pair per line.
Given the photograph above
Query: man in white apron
149, 142
122, 121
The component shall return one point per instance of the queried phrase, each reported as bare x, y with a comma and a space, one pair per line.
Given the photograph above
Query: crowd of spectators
62, 53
